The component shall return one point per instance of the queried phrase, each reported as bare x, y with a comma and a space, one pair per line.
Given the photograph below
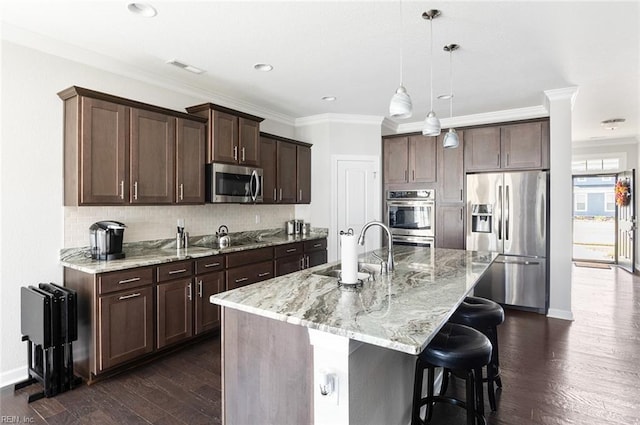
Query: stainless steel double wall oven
411, 216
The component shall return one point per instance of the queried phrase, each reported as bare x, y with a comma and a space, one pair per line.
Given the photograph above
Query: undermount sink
366, 271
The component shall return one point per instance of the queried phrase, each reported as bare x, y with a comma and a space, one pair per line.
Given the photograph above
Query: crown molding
561, 94
606, 141
28, 39
339, 118
479, 119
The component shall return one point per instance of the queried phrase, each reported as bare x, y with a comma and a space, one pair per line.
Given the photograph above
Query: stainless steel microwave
233, 184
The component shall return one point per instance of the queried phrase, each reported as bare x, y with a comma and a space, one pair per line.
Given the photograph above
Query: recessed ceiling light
264, 67
142, 9
329, 98
613, 123
185, 66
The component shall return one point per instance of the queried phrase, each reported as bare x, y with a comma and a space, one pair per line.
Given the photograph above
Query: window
581, 179
609, 202
607, 179
580, 202
577, 166
611, 164
598, 162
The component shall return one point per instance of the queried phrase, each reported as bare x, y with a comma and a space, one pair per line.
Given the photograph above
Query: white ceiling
511, 52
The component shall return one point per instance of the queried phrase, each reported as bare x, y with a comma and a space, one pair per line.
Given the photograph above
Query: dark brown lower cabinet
126, 326
207, 315
174, 311
251, 273
450, 231
298, 256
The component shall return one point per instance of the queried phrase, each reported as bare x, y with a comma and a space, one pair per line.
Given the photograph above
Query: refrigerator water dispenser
481, 218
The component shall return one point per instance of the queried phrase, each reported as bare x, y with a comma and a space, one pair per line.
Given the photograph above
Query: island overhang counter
284, 337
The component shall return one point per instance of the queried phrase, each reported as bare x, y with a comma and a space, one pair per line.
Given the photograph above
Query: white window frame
620, 156
612, 196
575, 202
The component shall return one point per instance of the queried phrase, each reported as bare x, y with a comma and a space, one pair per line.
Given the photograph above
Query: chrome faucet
389, 240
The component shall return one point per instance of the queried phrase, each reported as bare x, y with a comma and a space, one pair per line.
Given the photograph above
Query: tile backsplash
159, 222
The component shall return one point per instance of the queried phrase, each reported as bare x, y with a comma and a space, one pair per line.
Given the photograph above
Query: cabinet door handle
135, 190
206, 266
133, 279
301, 194
177, 271
498, 159
307, 257
281, 194
406, 175
181, 191
461, 194
200, 288
126, 297
413, 175
243, 154
507, 159
301, 263
292, 249
189, 291
460, 214
275, 196
235, 153
242, 279
264, 274
121, 189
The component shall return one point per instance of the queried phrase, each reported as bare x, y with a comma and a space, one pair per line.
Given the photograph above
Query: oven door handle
413, 239
410, 203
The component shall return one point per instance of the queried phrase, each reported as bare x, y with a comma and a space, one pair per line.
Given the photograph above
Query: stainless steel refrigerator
508, 213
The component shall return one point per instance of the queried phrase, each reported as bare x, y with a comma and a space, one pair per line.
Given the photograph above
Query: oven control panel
422, 195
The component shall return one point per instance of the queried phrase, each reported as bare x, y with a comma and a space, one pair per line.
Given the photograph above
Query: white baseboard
560, 314
10, 377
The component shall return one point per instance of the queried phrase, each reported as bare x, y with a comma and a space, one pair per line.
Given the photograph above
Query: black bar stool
483, 315
464, 351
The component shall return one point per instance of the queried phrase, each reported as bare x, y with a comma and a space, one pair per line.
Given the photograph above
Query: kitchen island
283, 337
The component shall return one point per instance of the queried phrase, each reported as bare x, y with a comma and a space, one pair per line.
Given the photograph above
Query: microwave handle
254, 194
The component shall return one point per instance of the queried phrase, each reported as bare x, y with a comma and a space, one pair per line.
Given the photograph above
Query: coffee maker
106, 240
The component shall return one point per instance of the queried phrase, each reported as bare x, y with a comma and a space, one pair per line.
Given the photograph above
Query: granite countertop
401, 311
148, 253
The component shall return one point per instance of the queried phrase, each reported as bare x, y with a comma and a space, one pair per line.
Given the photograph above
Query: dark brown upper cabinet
120, 152
518, 146
190, 150
153, 147
233, 136
409, 159
303, 174
286, 166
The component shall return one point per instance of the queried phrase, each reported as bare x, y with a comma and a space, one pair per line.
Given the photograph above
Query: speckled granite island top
401, 311
148, 253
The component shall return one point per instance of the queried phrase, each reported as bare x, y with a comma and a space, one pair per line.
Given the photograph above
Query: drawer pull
200, 288
206, 266
189, 294
264, 274
292, 249
126, 297
133, 279
177, 271
317, 245
242, 279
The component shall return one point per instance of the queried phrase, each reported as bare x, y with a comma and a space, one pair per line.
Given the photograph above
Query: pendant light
400, 105
451, 138
432, 123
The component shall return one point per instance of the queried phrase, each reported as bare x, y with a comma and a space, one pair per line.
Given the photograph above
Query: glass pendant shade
431, 125
401, 106
451, 139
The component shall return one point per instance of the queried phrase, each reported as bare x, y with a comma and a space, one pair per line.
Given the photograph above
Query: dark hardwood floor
583, 372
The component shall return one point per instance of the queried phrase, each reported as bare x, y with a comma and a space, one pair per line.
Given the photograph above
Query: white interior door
355, 200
